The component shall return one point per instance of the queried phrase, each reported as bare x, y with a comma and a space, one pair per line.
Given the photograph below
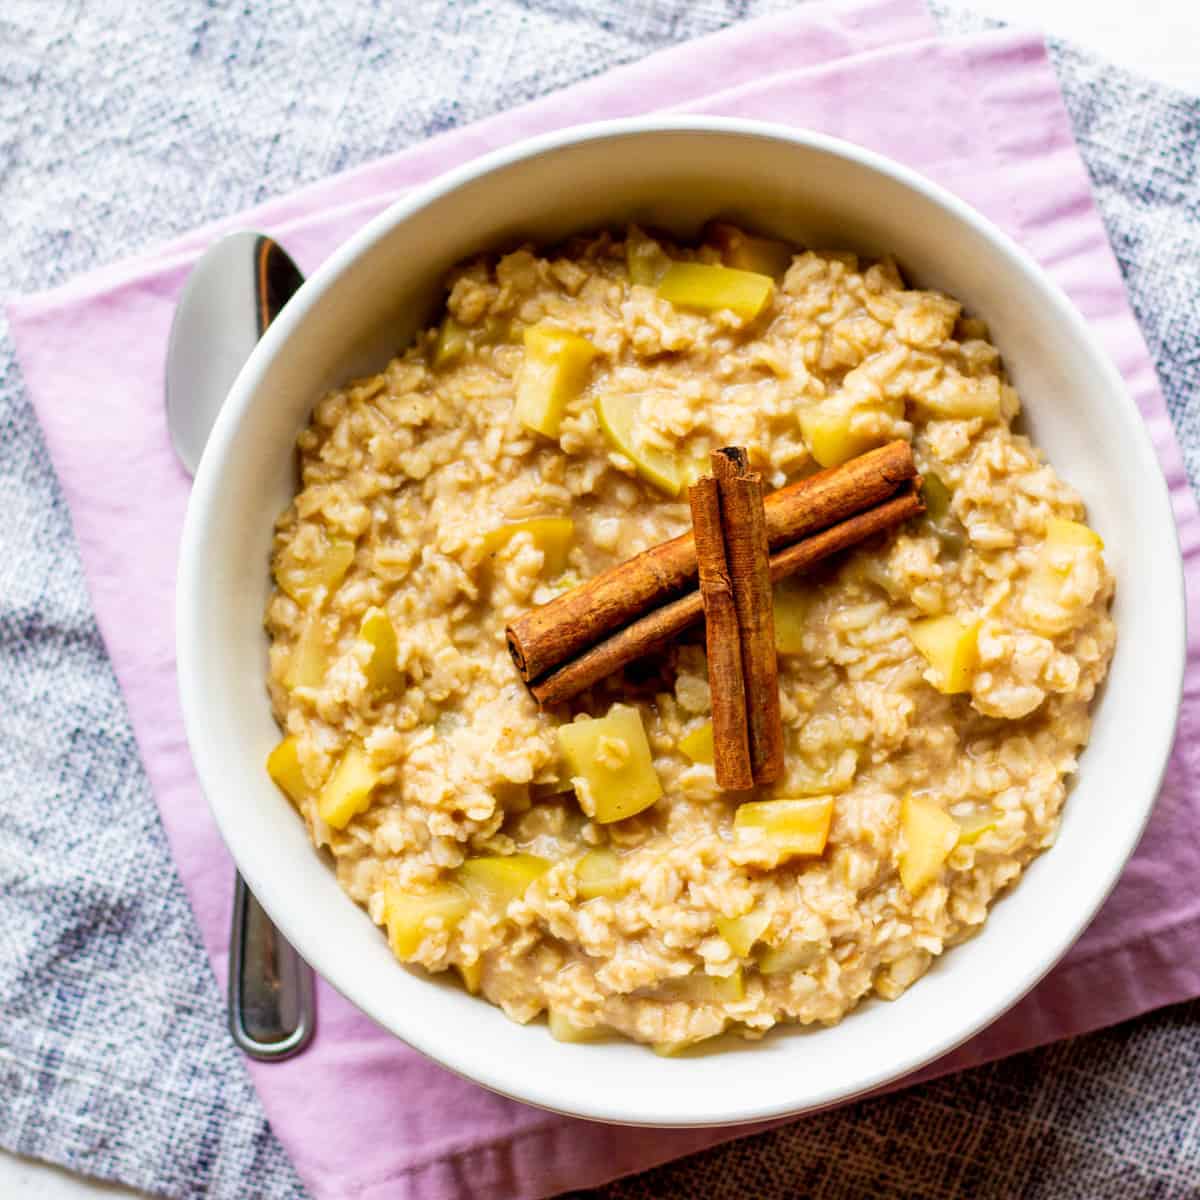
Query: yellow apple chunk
742, 932
472, 975
554, 372
929, 836
972, 828
962, 403
409, 916
948, 645
283, 766
791, 606
787, 958
645, 259
347, 791
306, 579
669, 1049
563, 1029
551, 535
309, 660
610, 764
382, 672
598, 873
501, 878
692, 469
701, 988
1060, 532
938, 515
763, 256
936, 496
620, 417
826, 777
719, 989
451, 343
698, 744
710, 288
1050, 609
830, 438
795, 826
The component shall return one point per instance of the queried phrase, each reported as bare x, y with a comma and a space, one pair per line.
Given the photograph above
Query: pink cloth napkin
362, 1114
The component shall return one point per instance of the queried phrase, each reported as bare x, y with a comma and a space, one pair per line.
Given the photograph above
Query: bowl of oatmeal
499, 391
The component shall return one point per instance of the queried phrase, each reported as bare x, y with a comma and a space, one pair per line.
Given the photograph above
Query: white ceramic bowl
381, 286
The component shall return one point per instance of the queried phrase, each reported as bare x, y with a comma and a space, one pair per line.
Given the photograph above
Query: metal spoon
233, 293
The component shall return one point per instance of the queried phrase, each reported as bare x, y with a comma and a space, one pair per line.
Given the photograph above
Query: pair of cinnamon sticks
643, 604
729, 526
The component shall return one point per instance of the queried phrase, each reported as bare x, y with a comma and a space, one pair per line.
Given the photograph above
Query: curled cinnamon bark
546, 637
663, 625
726, 684
743, 523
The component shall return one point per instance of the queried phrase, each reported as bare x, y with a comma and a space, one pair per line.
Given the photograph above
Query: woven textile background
124, 122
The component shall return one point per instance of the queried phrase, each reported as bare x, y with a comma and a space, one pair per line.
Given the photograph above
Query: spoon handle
271, 1001
271, 995
233, 293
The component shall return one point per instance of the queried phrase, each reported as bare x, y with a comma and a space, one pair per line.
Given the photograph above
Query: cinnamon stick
663, 625
744, 526
546, 637
731, 742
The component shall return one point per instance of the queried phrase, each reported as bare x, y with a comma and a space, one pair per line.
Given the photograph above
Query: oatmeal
935, 682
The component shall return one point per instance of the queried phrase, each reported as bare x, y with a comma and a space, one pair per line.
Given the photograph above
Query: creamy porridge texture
935, 682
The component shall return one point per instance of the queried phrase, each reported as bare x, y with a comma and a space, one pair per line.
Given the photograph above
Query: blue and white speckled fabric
123, 122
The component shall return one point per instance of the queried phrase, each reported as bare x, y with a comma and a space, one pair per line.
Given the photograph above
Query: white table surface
1160, 38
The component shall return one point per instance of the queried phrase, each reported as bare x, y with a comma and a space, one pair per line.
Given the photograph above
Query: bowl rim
456, 1055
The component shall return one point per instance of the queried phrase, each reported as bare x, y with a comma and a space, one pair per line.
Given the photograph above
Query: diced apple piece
805, 779
949, 646
929, 836
789, 957
728, 989
309, 660
936, 496
382, 672
501, 878
554, 372
645, 259
598, 873
692, 468
494, 329
938, 515
960, 398
742, 932
701, 988
669, 1049
972, 828
698, 744
472, 975
717, 989
763, 256
795, 826
831, 440
451, 343
1060, 532
563, 1029
792, 602
674, 1049
305, 579
283, 766
619, 416
409, 916
551, 535
1050, 609
347, 791
610, 764
710, 288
